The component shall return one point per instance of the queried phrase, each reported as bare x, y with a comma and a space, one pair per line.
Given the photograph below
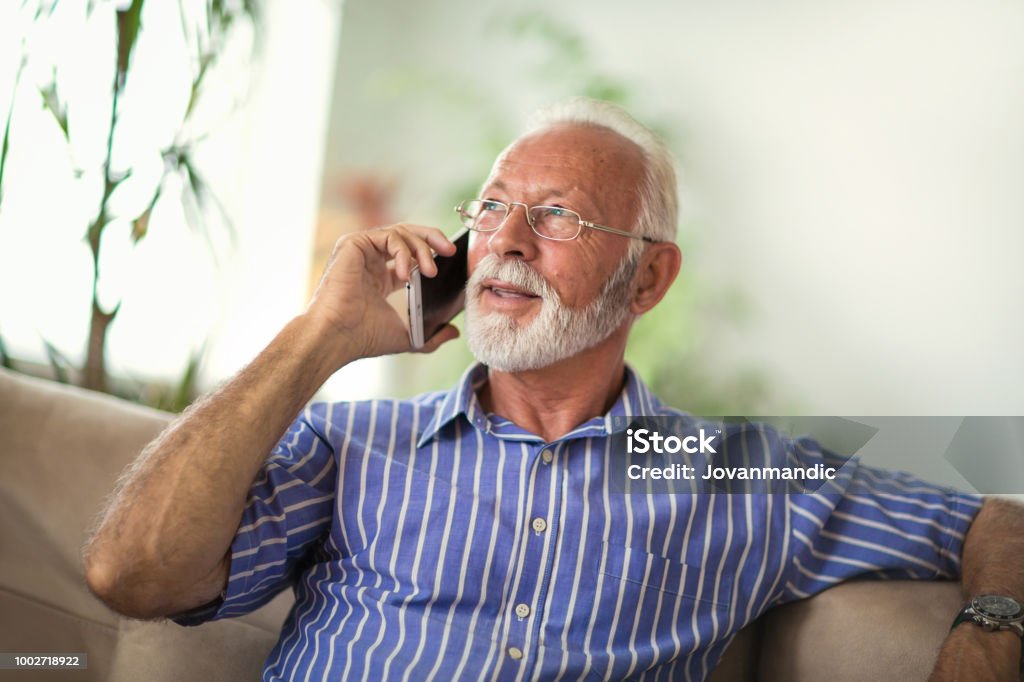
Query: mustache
513, 271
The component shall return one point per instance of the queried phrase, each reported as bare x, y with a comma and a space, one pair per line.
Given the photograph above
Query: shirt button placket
539, 525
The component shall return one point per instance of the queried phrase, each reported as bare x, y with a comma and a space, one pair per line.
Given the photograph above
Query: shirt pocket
648, 576
385, 505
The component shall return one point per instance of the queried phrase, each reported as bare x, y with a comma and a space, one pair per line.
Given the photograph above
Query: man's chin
495, 339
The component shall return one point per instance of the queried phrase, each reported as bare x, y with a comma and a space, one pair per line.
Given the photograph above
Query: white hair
658, 212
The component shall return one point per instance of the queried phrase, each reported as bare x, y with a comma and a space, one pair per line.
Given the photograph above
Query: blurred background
850, 175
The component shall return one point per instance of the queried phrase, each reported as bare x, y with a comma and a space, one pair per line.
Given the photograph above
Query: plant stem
94, 374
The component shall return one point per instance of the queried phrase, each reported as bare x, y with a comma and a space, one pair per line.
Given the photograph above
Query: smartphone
434, 301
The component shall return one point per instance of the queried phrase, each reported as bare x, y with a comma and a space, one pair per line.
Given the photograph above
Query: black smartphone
434, 301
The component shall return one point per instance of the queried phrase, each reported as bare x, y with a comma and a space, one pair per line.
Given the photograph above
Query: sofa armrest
61, 450
860, 630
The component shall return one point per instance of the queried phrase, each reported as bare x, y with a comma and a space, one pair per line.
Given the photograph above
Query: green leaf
7, 127
204, 64
186, 390
58, 361
140, 226
219, 19
52, 103
171, 396
42, 7
5, 357
198, 200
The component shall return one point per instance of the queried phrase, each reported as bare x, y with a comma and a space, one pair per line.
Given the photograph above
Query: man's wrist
998, 651
320, 344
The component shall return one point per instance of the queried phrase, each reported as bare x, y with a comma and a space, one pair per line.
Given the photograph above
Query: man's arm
162, 545
992, 563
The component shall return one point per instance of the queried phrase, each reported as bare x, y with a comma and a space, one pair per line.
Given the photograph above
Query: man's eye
492, 206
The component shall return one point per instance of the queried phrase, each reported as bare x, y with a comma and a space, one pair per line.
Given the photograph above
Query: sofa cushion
226, 650
31, 626
61, 451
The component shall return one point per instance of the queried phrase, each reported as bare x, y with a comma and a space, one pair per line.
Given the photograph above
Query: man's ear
658, 269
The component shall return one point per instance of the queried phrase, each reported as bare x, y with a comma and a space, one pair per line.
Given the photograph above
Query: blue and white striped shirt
426, 539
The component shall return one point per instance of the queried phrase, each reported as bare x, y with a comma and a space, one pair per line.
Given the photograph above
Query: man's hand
364, 269
992, 563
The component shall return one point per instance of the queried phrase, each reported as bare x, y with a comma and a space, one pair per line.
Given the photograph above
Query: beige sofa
62, 448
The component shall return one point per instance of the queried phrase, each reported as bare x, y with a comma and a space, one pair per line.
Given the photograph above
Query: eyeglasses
550, 222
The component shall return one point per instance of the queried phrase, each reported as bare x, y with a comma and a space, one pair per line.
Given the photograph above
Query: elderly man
472, 534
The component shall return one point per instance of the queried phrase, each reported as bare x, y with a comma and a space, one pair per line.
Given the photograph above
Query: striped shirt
426, 539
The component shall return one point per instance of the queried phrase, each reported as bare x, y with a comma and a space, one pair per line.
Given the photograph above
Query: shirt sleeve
872, 523
287, 515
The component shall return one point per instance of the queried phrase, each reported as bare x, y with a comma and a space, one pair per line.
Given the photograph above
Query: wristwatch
994, 612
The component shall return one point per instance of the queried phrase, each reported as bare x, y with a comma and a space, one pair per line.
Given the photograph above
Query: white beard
558, 332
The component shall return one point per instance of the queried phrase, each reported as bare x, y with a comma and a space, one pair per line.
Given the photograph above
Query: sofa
62, 448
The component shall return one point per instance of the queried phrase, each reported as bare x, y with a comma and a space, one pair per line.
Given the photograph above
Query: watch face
996, 606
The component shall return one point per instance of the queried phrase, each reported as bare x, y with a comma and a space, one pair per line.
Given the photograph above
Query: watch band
965, 614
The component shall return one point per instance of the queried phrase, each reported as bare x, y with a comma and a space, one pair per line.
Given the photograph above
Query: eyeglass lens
548, 221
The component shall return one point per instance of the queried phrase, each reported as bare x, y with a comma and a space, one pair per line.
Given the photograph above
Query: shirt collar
461, 399
635, 399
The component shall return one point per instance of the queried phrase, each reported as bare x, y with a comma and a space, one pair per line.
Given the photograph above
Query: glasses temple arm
622, 233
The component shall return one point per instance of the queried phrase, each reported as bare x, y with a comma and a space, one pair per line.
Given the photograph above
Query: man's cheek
477, 249
568, 287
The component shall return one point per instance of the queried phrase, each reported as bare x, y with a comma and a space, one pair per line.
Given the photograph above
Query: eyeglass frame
529, 219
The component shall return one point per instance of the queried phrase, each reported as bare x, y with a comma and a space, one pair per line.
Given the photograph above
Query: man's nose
515, 238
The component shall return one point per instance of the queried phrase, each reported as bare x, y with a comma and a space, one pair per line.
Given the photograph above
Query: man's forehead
547, 190
582, 153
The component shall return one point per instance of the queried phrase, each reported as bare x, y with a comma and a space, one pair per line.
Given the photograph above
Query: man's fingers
396, 247
433, 236
422, 253
403, 264
427, 240
406, 244
440, 243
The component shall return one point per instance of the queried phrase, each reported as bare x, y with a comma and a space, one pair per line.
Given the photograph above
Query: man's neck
552, 401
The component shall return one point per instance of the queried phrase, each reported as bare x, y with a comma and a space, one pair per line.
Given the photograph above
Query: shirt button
539, 525
547, 456
515, 653
522, 610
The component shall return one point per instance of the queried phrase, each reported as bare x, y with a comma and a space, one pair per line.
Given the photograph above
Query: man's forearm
992, 562
993, 554
162, 544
